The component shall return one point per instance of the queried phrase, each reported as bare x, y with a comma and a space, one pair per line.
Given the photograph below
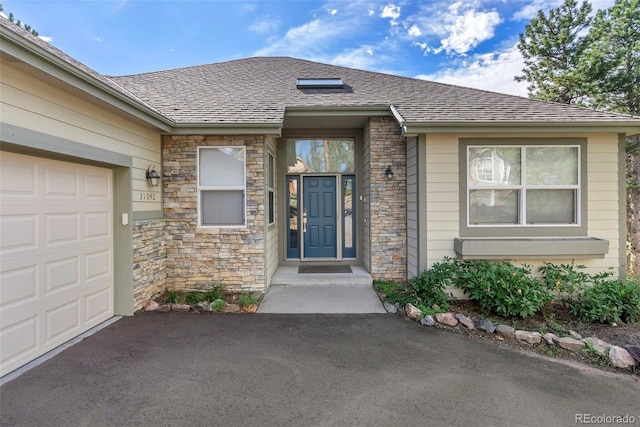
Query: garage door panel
56, 254
18, 232
18, 285
96, 186
98, 264
99, 304
18, 341
61, 322
61, 228
61, 182
61, 274
18, 177
97, 225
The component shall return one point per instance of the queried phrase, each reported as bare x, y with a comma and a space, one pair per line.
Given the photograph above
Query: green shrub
428, 288
608, 301
247, 299
502, 288
218, 305
194, 298
565, 279
394, 292
172, 297
214, 294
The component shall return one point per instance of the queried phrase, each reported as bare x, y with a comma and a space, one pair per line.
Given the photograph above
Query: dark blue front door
319, 198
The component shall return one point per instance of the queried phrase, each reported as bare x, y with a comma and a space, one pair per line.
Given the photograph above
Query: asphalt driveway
302, 370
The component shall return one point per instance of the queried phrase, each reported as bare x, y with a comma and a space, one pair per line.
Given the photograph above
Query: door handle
304, 221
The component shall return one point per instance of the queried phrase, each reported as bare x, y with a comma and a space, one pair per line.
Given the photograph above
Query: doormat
324, 269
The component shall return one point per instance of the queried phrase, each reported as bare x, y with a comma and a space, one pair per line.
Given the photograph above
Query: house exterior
272, 162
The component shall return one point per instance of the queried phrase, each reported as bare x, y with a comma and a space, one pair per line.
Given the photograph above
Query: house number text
145, 196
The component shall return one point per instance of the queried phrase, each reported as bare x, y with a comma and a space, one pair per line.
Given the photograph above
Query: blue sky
469, 43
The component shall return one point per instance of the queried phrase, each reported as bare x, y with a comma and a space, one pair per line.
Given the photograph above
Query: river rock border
627, 357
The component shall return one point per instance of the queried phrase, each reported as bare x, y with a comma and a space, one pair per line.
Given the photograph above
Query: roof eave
27, 52
226, 129
627, 127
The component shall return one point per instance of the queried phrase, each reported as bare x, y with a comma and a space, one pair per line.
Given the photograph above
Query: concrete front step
289, 276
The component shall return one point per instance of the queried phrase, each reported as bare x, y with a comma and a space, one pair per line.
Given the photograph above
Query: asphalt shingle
259, 89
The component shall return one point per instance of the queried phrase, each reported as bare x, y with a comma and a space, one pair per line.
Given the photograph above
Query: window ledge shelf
531, 248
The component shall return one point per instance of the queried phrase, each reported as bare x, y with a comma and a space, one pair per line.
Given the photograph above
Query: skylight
322, 83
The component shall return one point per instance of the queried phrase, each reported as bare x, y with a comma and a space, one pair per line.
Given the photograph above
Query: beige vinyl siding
442, 198
412, 208
40, 106
272, 248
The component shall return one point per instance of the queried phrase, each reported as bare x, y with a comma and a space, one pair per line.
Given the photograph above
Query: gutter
628, 127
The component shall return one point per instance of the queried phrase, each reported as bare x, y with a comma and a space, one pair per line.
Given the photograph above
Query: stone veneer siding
149, 260
200, 258
387, 200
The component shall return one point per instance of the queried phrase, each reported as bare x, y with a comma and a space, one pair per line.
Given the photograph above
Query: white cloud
304, 41
47, 39
414, 31
265, 25
493, 72
333, 12
530, 11
371, 12
391, 11
468, 29
250, 7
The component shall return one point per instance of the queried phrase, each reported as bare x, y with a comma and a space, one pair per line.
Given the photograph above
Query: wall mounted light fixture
388, 173
153, 178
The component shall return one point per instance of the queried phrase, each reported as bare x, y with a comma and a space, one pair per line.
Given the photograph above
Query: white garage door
56, 254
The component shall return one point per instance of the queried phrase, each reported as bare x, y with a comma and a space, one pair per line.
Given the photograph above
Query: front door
319, 217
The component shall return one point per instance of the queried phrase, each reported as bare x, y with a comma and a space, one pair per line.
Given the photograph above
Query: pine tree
552, 47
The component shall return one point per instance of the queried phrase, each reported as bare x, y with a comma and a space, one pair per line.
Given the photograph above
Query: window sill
531, 248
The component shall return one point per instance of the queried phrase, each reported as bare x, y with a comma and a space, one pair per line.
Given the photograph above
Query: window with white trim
271, 191
523, 185
221, 186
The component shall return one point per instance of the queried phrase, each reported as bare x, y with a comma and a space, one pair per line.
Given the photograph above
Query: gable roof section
255, 94
261, 89
30, 49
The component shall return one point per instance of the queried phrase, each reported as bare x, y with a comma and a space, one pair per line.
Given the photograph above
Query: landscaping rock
506, 331
486, 326
620, 358
530, 337
465, 321
182, 308
164, 308
550, 338
412, 311
570, 344
575, 335
250, 308
601, 347
201, 307
230, 308
634, 351
428, 320
448, 319
151, 305
391, 308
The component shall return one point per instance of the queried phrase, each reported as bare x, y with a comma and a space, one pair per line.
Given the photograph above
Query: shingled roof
260, 89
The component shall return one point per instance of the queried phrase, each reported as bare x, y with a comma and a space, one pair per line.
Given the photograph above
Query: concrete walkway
321, 299
314, 293
302, 370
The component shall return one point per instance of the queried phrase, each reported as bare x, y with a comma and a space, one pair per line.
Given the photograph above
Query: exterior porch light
388, 173
153, 178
